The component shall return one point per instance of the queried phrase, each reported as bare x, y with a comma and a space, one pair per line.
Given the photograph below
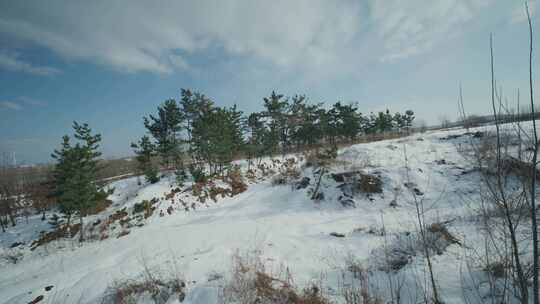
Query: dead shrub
98, 207
355, 289
497, 269
151, 286
214, 191
119, 214
146, 206
368, 183
288, 173
235, 180
251, 176
522, 169
441, 232
59, 233
250, 282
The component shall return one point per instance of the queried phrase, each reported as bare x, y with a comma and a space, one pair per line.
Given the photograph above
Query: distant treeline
478, 120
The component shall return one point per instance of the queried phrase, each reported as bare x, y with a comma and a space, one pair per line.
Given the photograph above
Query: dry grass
236, 181
59, 233
251, 282
354, 287
152, 285
289, 172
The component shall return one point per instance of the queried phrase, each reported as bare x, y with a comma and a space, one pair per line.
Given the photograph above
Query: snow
280, 223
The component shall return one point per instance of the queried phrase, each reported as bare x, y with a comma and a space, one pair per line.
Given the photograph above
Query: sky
109, 63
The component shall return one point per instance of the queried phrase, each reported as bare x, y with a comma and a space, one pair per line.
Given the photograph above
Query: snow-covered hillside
314, 241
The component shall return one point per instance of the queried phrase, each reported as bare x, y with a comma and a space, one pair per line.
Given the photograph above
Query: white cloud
31, 101
21, 103
413, 27
307, 34
10, 105
12, 62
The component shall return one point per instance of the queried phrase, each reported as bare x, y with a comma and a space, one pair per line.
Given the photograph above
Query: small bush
145, 206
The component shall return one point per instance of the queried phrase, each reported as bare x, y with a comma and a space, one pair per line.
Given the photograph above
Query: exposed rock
345, 176
336, 234
440, 161
48, 288
478, 134
347, 202
397, 262
37, 299
16, 244
303, 183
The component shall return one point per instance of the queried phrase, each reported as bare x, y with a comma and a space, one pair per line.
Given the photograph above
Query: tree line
208, 137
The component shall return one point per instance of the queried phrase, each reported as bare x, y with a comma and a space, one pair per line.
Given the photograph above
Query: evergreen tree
193, 105
145, 151
276, 112
347, 120
383, 121
75, 173
399, 121
165, 128
308, 130
238, 125
257, 137
409, 117
215, 137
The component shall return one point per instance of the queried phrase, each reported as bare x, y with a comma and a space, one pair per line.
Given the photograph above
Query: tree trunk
81, 236
536, 284
2, 224
12, 219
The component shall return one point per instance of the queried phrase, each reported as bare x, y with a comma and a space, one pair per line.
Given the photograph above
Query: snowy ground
282, 224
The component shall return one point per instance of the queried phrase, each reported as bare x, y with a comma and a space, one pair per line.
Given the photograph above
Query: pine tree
165, 128
399, 121
276, 112
145, 151
238, 126
257, 138
75, 173
383, 121
308, 129
217, 137
193, 104
409, 117
347, 120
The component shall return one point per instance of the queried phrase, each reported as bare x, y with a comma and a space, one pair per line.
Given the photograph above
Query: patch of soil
98, 207
368, 183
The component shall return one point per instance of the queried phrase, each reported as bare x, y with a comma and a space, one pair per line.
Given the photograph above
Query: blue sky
110, 63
